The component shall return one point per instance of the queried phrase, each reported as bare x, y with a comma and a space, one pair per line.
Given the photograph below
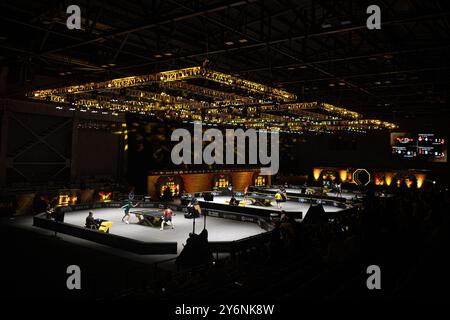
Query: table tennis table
149, 218
261, 200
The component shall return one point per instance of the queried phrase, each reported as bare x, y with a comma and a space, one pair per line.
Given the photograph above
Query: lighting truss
221, 99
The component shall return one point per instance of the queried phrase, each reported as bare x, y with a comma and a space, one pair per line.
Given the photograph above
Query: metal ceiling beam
169, 20
344, 59
280, 41
68, 36
364, 75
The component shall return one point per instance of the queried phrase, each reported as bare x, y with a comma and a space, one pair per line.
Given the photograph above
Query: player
245, 192
283, 193
131, 194
167, 217
278, 199
230, 188
338, 190
126, 208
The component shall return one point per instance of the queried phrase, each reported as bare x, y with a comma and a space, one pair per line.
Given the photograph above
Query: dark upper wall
372, 150
97, 153
41, 144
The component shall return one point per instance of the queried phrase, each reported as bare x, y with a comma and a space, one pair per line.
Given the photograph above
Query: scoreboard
422, 146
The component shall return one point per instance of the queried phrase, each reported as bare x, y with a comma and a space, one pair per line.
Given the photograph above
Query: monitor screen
419, 146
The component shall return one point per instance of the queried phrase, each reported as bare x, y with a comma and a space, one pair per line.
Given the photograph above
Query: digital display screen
420, 146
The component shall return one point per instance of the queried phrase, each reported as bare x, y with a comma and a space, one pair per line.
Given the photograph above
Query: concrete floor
287, 206
218, 229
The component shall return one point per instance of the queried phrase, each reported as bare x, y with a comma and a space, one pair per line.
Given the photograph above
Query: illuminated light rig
231, 101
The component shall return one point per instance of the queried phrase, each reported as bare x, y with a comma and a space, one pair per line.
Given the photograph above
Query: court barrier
112, 240
337, 202
118, 204
235, 247
302, 197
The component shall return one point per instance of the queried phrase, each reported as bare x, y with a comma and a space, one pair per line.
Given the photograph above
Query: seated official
233, 201
92, 223
49, 211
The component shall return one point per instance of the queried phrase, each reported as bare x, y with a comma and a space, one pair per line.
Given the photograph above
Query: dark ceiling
319, 50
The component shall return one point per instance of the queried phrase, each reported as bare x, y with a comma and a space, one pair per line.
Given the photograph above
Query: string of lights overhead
201, 94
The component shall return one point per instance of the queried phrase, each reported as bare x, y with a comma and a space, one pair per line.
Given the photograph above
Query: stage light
408, 182
343, 175
420, 180
316, 173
